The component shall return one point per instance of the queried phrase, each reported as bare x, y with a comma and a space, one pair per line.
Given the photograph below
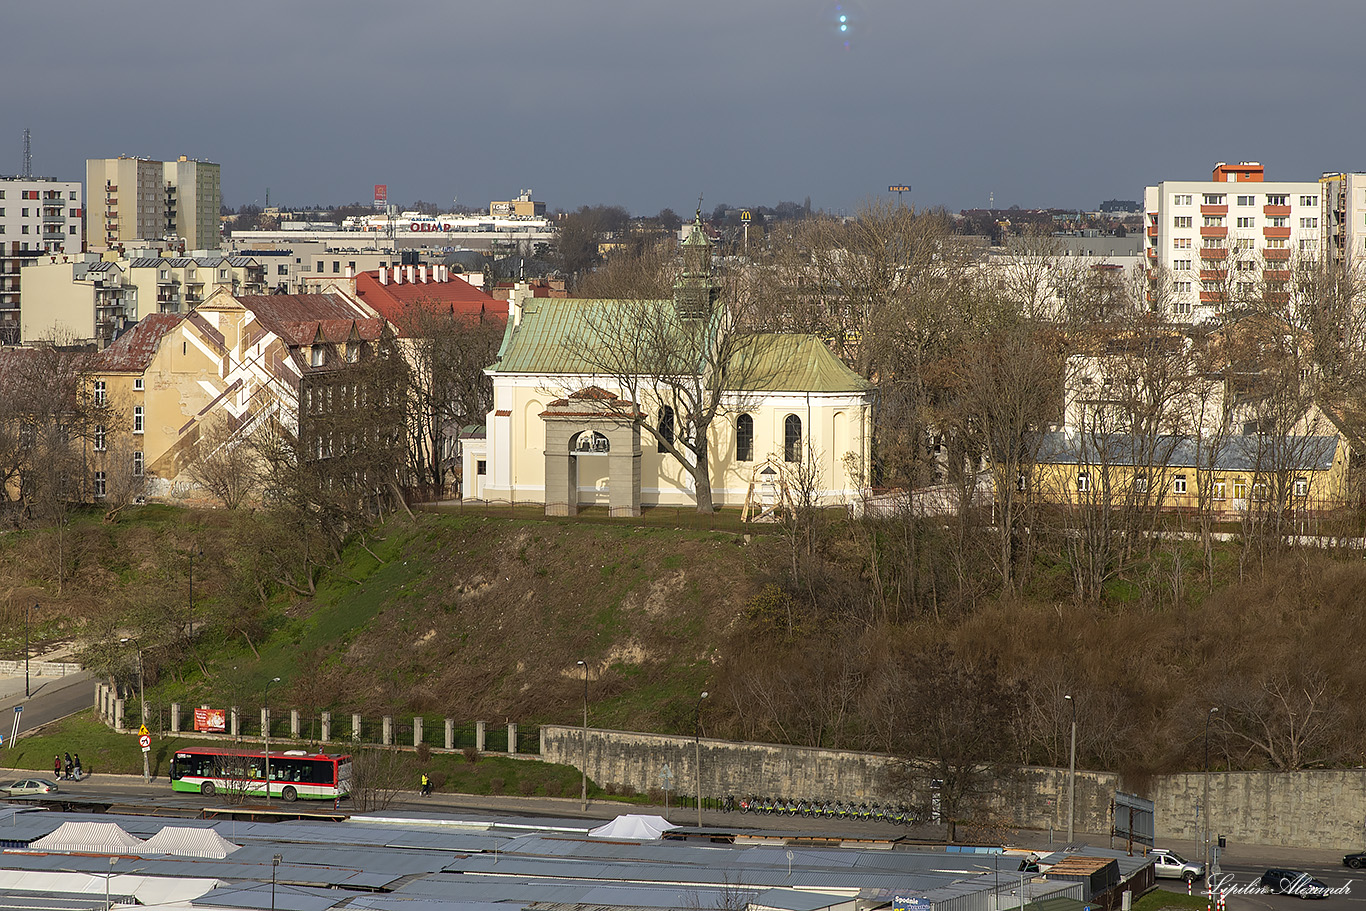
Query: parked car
29, 786
1170, 865
1293, 882
1355, 860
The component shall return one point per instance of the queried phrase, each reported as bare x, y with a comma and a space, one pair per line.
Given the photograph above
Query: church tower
696, 292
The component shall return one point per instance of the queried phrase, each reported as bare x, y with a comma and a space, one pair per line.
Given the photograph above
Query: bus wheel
207, 789
289, 793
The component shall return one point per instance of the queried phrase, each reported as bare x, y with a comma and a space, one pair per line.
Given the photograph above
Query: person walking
426, 785
68, 765
57, 767
77, 762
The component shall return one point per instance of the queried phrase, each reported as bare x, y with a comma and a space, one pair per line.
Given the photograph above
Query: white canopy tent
634, 827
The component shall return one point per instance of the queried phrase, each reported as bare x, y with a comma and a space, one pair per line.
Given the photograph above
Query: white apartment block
140, 199
37, 217
1212, 245
89, 298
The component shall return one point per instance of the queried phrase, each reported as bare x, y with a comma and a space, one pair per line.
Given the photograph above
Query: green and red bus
294, 774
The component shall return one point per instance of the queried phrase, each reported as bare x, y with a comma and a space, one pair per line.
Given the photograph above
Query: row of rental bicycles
828, 809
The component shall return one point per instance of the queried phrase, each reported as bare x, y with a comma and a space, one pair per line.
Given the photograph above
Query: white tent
640, 828
185, 841
88, 838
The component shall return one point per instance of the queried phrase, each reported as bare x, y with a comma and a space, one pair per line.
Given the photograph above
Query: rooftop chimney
422, 274
384, 276
398, 275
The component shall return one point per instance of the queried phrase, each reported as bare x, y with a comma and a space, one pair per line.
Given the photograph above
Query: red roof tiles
133, 351
455, 296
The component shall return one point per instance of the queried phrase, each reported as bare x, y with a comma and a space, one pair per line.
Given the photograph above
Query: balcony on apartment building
1270, 253
1276, 232
1214, 210
1273, 211
1211, 231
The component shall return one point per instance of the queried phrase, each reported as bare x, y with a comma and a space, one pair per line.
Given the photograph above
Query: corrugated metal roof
788, 362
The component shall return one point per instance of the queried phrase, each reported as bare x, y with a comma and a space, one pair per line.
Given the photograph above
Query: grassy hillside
860, 635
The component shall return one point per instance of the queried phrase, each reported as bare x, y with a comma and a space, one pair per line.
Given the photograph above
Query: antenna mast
28, 156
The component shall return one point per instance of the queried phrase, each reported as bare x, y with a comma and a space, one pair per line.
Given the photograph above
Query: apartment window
352, 266
336, 266
2, 194
1245, 289
100, 395
321, 266
1181, 199
1141, 484
744, 438
1309, 200
1209, 284
1301, 487
1181, 287
1212, 243
23, 229
1083, 482
25, 212
1240, 489
223, 273
99, 485
137, 384
100, 445
1179, 484
282, 270
71, 229
1220, 489
1247, 266
317, 357
1280, 221
666, 428
1247, 200
1214, 199
353, 353
792, 438
137, 419
1277, 243
71, 196
1181, 221
1182, 243
137, 463
1278, 199
1309, 222
1308, 245
1181, 264
1247, 222
1214, 221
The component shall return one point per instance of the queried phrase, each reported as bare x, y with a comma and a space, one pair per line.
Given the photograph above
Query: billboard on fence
215, 720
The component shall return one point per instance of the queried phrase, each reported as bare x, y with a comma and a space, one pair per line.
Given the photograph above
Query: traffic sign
142, 730
18, 710
145, 742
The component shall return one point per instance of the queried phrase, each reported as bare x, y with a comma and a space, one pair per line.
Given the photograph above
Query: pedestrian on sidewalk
426, 785
77, 762
68, 765
57, 767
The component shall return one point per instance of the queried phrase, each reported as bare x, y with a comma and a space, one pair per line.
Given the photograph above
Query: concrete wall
1312, 809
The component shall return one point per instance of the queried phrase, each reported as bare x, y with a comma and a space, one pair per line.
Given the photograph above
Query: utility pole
27, 613
697, 754
1204, 839
583, 759
265, 730
1072, 775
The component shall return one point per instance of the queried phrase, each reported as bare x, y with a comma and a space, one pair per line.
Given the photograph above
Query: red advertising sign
381, 195
211, 720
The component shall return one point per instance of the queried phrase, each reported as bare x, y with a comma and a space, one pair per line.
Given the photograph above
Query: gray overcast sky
647, 104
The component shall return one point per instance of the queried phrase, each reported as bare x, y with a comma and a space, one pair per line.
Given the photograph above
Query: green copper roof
787, 362
768, 362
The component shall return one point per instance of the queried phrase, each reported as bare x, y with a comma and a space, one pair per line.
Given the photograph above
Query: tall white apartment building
1216, 245
140, 199
37, 217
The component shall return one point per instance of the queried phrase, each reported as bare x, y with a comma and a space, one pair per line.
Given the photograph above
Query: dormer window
353, 353
318, 356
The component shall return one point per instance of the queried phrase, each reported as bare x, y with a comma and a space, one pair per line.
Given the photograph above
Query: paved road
52, 698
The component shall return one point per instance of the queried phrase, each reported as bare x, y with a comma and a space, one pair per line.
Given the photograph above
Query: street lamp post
142, 701
1204, 840
697, 754
27, 612
265, 730
1072, 775
583, 760
274, 865
194, 552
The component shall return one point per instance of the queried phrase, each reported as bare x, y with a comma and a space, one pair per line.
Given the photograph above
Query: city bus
294, 774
